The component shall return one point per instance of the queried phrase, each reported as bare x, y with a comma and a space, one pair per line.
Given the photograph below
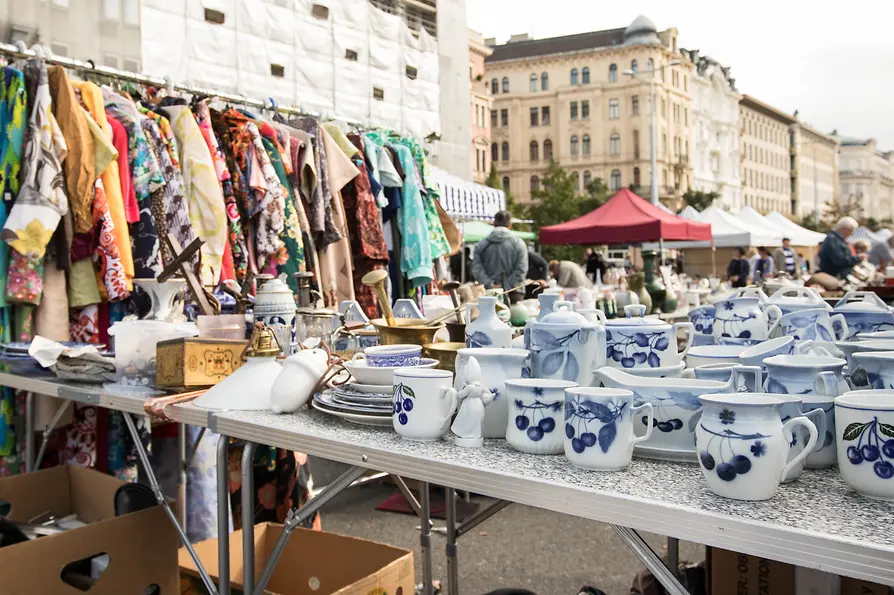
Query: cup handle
688, 373
774, 315
826, 384
358, 356
450, 393
818, 417
757, 377
633, 411
844, 330
600, 316
811, 442
690, 335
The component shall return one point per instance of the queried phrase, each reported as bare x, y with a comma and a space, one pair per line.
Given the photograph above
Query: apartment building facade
867, 177
481, 103
766, 156
583, 101
815, 161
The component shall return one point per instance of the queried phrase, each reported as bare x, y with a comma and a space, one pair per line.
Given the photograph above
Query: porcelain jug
274, 303
637, 342
295, 383
565, 346
487, 330
702, 320
743, 446
497, 366
803, 375
792, 407
743, 318
865, 312
811, 324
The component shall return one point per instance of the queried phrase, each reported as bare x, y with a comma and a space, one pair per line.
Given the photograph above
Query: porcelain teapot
743, 319
865, 312
566, 346
638, 342
300, 374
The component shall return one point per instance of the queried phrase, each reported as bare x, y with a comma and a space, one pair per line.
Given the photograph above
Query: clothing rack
19, 51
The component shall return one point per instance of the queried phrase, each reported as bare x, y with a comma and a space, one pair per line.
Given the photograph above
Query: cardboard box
314, 563
809, 581
740, 574
193, 362
141, 547
852, 586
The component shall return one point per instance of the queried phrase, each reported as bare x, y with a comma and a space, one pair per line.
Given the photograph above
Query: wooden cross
182, 263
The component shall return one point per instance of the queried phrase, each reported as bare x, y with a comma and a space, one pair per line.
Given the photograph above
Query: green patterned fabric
291, 233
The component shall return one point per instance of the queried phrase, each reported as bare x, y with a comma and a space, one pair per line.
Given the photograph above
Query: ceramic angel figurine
473, 398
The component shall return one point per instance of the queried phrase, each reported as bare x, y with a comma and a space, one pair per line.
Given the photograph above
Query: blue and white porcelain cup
743, 445
424, 402
873, 370
826, 452
749, 379
714, 354
864, 421
756, 354
599, 427
811, 324
390, 356
536, 407
793, 407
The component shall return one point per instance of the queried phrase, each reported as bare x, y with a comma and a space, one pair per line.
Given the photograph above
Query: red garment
228, 269
119, 139
365, 231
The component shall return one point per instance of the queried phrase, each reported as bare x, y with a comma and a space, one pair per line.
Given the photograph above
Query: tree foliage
699, 199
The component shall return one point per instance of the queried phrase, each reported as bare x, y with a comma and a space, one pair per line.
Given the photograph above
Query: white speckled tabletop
816, 521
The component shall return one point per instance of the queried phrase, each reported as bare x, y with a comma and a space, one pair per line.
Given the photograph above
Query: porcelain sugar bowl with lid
638, 342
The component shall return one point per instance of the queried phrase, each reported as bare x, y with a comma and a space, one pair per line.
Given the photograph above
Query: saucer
326, 399
365, 374
363, 419
377, 389
665, 454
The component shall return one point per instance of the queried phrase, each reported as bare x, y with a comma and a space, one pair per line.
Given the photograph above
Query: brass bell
263, 342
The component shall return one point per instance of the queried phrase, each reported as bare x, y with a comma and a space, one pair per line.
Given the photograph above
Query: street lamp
653, 157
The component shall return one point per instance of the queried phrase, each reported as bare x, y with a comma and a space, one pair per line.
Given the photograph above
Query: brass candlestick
451, 288
376, 280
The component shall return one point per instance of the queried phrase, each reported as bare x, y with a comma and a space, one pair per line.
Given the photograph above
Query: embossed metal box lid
194, 362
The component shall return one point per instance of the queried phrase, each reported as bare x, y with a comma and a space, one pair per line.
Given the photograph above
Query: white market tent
757, 221
727, 230
864, 233
800, 236
689, 212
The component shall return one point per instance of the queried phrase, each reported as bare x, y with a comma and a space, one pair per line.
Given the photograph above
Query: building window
493, 118
585, 76
586, 144
544, 81
131, 64
59, 49
110, 60
636, 144
615, 144
534, 116
534, 151
650, 66
636, 179
533, 88
588, 177
217, 17
574, 110
494, 86
494, 152
634, 67
504, 118
613, 109
505, 151
548, 150
111, 10
535, 183
575, 179
505, 183
613, 73
616, 180
505, 84
544, 115
574, 146
574, 76
634, 105
664, 143
686, 116
685, 83
585, 109
663, 108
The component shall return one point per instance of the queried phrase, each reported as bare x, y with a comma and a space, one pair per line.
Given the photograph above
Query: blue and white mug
390, 356
536, 408
424, 402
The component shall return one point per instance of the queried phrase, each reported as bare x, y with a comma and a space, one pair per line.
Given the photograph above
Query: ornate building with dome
583, 101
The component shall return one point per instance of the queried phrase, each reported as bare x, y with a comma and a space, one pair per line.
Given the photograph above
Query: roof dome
641, 31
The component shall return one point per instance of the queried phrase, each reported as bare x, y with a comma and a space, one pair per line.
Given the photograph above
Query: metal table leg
408, 494
181, 475
46, 433
425, 537
651, 560
298, 516
248, 517
29, 432
452, 562
163, 502
673, 556
223, 517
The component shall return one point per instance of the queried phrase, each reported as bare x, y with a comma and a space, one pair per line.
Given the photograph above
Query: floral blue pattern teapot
566, 346
865, 312
744, 318
638, 342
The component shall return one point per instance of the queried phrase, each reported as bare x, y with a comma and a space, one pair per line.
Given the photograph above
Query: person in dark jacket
763, 268
594, 263
501, 259
738, 269
835, 257
538, 270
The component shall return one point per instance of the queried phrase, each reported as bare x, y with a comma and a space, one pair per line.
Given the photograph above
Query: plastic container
135, 342
224, 326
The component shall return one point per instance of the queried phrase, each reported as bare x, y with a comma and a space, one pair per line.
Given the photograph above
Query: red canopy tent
625, 219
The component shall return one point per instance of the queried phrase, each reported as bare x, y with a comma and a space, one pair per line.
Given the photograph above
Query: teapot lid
861, 301
635, 316
275, 285
563, 313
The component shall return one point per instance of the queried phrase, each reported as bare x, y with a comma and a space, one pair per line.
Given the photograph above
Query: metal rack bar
29, 432
248, 517
650, 560
425, 537
46, 434
223, 517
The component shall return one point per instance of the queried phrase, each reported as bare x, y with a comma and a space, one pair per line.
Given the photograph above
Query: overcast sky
834, 62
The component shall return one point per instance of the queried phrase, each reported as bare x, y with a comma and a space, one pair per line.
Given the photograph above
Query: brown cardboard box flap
60, 491
314, 562
741, 574
852, 586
